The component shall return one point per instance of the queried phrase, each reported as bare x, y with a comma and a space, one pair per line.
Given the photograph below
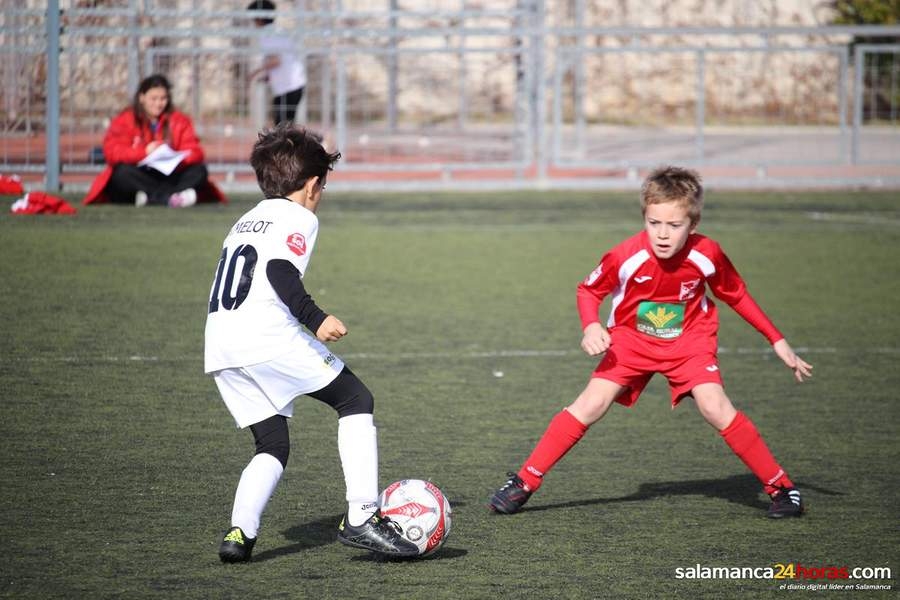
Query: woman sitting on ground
133, 135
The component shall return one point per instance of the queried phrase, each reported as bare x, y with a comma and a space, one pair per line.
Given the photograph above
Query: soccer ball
421, 510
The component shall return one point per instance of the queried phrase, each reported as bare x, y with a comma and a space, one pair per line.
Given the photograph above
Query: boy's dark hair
285, 157
674, 184
262, 5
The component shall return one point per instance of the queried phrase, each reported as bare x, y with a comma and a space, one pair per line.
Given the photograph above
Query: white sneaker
183, 199
140, 198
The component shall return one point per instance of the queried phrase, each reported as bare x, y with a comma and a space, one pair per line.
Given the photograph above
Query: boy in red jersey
661, 321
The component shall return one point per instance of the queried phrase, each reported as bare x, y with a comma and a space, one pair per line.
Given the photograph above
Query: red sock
743, 438
563, 432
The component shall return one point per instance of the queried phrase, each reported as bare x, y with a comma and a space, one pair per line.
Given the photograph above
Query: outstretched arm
800, 367
754, 315
728, 286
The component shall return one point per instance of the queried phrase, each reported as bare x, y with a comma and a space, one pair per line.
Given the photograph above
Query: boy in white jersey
261, 358
662, 321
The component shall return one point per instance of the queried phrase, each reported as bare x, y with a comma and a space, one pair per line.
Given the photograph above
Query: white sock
256, 486
358, 448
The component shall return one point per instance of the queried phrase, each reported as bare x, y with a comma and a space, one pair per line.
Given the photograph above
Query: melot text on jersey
251, 226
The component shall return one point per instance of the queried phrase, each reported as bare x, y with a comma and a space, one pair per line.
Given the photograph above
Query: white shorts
256, 392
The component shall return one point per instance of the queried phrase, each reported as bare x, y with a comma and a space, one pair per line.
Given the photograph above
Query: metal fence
515, 96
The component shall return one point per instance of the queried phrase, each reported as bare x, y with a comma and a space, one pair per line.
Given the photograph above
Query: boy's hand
596, 339
800, 367
331, 329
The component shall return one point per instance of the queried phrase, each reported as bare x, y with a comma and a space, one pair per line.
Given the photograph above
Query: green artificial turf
119, 460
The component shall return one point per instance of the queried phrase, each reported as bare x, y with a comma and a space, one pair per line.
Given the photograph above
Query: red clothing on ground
661, 319
126, 141
42, 203
11, 184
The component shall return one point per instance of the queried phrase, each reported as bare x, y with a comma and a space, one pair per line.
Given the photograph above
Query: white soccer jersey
290, 74
247, 323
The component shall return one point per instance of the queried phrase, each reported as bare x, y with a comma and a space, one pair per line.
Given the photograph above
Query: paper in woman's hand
164, 159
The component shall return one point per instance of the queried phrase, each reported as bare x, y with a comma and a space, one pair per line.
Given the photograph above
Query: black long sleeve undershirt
285, 280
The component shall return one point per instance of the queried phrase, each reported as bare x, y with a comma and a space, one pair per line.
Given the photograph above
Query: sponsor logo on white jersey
296, 243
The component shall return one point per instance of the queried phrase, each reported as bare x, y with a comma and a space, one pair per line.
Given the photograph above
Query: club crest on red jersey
296, 243
594, 276
688, 289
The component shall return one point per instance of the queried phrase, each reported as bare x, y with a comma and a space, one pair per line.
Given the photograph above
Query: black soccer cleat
378, 534
511, 497
236, 547
786, 502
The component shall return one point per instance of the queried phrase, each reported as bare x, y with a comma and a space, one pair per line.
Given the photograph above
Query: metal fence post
53, 105
700, 117
842, 102
340, 109
857, 104
538, 25
462, 113
563, 62
579, 82
392, 67
134, 60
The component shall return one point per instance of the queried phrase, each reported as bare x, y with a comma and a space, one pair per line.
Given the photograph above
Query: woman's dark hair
262, 5
154, 81
286, 157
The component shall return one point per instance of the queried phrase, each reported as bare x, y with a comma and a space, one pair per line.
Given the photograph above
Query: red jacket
125, 143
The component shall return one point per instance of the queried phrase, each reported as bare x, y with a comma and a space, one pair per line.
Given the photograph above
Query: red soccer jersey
666, 298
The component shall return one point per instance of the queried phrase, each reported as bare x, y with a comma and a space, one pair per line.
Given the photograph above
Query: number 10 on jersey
227, 295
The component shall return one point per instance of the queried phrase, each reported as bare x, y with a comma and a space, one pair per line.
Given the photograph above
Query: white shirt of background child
291, 73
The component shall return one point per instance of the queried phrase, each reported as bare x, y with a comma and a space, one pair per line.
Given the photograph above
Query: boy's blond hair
674, 184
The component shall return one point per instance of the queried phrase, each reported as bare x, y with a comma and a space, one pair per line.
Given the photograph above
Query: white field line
835, 222
451, 355
854, 220
864, 218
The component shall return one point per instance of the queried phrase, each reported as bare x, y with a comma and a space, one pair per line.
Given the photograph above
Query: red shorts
632, 360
